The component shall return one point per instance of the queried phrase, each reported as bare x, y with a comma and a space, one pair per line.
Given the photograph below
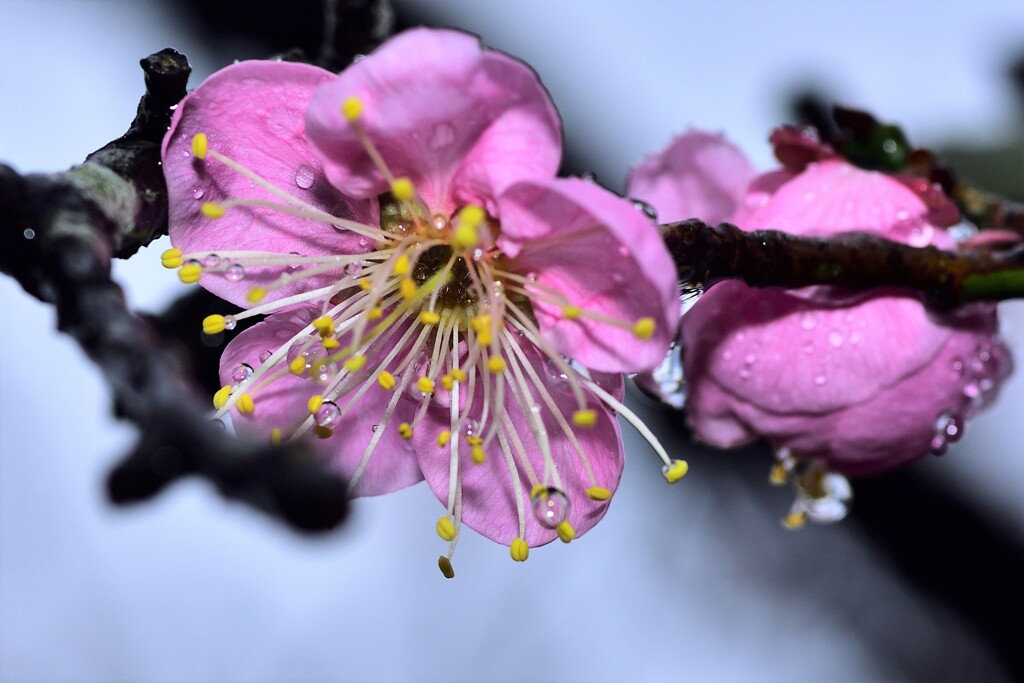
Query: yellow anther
471, 214
474, 440
676, 471
298, 365
402, 189
190, 273
213, 324
212, 209
355, 363
220, 399
330, 343
275, 436
321, 432
445, 528
778, 475
375, 313
324, 325
465, 237
425, 384
386, 380
314, 403
643, 328
171, 258
448, 382
445, 565
365, 284
458, 375
443, 438
565, 532
405, 430
571, 312
352, 108
584, 418
246, 405
256, 295
430, 318
408, 288
519, 550
199, 145
598, 493
496, 364
478, 455
794, 520
538, 490
403, 264
480, 323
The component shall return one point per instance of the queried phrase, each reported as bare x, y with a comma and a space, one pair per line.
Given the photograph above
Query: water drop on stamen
550, 507
470, 427
235, 272
212, 261
374, 428
353, 269
294, 266
265, 356
304, 177
193, 263
329, 415
323, 370
241, 372
229, 322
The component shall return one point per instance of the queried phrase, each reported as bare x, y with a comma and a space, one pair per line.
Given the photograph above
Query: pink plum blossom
861, 383
440, 305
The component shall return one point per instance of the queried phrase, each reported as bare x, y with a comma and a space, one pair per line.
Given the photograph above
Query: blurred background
693, 582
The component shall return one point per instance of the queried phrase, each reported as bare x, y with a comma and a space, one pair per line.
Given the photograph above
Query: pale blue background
692, 582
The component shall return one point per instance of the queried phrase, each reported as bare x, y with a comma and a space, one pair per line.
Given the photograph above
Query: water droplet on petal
304, 178
235, 272
820, 380
808, 321
750, 358
835, 339
550, 507
646, 209
241, 372
744, 374
197, 193
329, 415
949, 426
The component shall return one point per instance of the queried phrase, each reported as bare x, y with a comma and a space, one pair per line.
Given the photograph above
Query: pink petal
832, 196
460, 121
283, 403
252, 112
604, 256
488, 496
789, 355
699, 175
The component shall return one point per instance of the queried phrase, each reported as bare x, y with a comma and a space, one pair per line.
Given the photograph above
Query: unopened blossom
854, 384
439, 305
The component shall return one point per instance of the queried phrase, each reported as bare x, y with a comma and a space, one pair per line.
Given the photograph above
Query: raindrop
374, 428
353, 269
212, 261
304, 178
29, 234
193, 263
550, 507
666, 382
623, 251
323, 370
958, 367
645, 208
229, 322
198, 193
835, 339
750, 358
972, 390
219, 423
241, 372
470, 427
265, 356
235, 272
744, 374
478, 254
949, 427
808, 321
440, 221
329, 415
294, 266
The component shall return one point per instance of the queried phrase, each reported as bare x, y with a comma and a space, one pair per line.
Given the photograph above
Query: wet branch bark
707, 254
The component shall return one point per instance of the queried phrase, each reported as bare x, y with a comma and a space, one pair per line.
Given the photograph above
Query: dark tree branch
705, 255
58, 233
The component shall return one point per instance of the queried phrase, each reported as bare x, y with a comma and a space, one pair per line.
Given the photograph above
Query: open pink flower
862, 383
441, 306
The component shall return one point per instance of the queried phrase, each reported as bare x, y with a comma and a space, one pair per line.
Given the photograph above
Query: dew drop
197, 193
667, 382
808, 321
744, 374
212, 261
470, 427
958, 367
353, 269
265, 356
949, 426
229, 322
550, 507
835, 339
304, 178
193, 263
972, 390
235, 272
938, 444
322, 370
750, 358
28, 233
219, 423
646, 209
241, 372
294, 267
374, 428
329, 415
